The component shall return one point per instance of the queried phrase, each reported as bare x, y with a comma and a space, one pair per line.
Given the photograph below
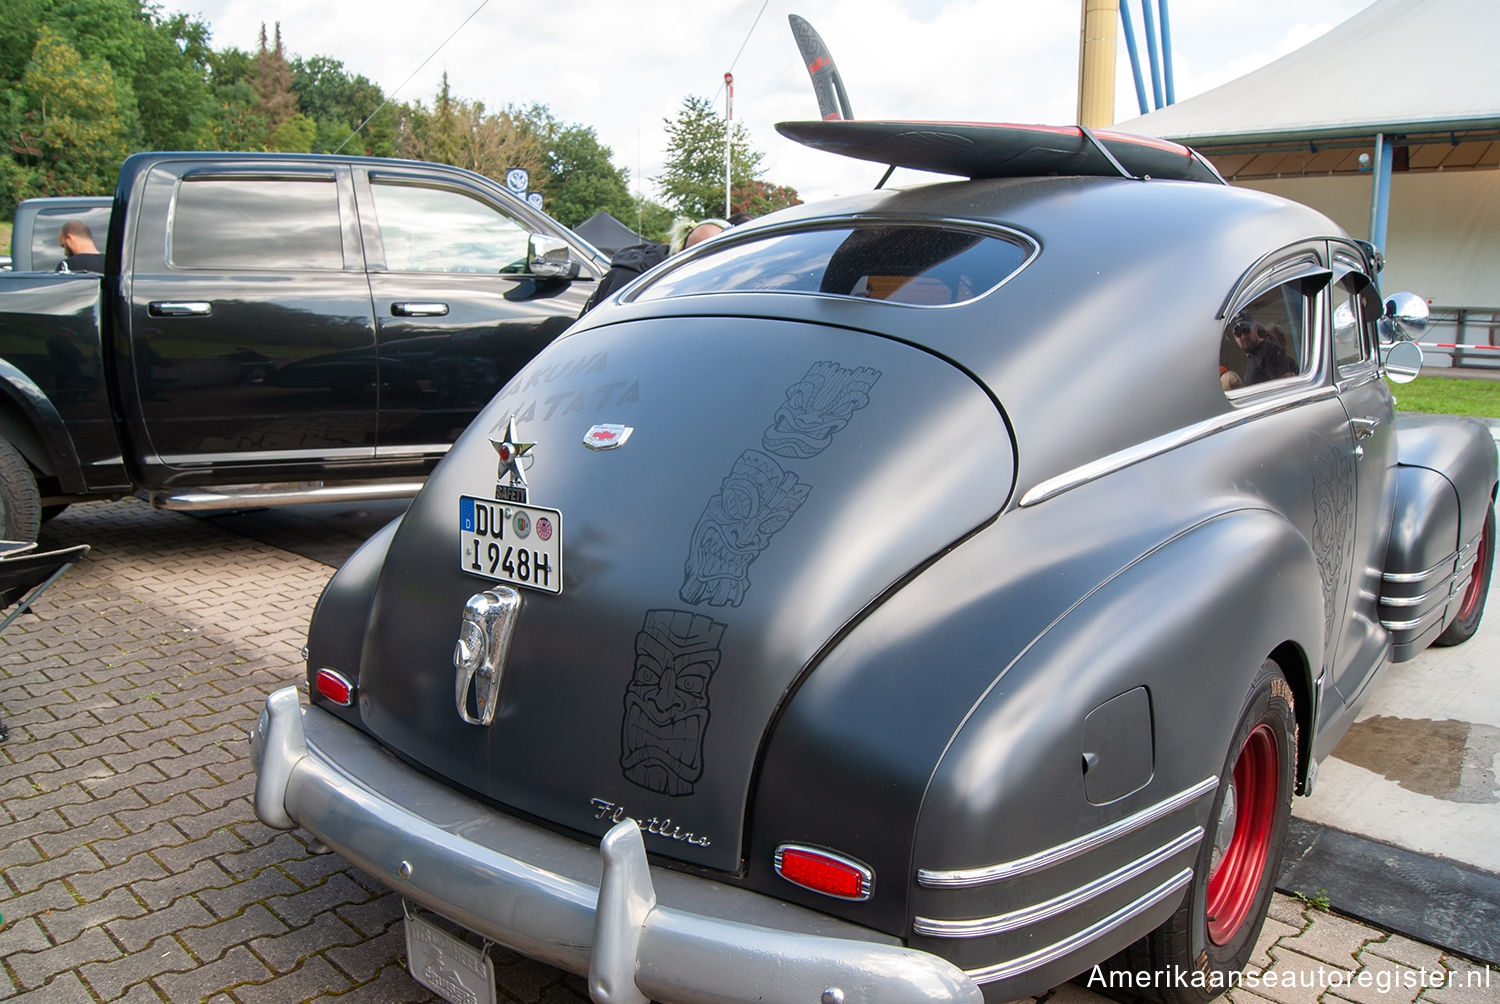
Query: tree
693, 181
339, 104
70, 136
284, 127
761, 197
580, 178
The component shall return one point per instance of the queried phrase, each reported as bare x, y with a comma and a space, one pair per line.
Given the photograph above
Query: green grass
1449, 396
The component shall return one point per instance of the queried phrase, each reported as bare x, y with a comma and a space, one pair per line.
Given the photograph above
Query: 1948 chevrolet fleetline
926, 595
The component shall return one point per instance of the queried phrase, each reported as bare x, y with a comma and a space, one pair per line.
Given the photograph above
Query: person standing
77, 242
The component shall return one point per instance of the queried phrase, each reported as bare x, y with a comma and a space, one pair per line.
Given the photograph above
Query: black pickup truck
274, 328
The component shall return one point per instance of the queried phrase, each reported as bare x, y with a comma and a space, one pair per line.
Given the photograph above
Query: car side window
45, 252
257, 223
426, 229
1267, 339
1350, 346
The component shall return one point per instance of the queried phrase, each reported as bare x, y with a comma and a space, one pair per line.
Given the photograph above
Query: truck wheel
1471, 607
1235, 875
20, 505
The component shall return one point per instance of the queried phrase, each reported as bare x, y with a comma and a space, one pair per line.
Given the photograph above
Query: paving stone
375, 916
34, 969
1273, 930
393, 983
55, 895
66, 988
1408, 952
157, 893
1333, 939
299, 909
1288, 911
100, 830
363, 960
138, 932
64, 925
206, 821
28, 877
236, 967
89, 809
1467, 983
246, 927
26, 935
94, 885
314, 978
230, 900
282, 847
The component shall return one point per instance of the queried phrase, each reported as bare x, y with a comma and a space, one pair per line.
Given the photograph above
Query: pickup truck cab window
425, 229
256, 223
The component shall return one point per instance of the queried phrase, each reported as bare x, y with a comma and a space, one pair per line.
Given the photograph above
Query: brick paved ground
132, 867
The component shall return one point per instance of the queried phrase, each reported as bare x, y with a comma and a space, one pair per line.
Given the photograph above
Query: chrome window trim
1055, 951
996, 231
962, 878
983, 926
1131, 455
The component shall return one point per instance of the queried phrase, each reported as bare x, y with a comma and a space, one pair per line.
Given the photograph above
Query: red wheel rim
1476, 581
1235, 881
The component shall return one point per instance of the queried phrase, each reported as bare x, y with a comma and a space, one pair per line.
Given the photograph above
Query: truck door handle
1364, 428
179, 308
419, 309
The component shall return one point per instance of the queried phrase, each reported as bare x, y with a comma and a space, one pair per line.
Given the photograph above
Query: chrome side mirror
550, 258
1403, 362
1406, 318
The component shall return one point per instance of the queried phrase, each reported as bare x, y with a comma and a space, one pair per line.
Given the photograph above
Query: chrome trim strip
1131, 455
983, 926
238, 496
1466, 556
249, 457
962, 878
1053, 952
1417, 624
416, 451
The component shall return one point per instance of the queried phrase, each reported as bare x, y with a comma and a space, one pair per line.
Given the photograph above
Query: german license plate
452, 969
509, 542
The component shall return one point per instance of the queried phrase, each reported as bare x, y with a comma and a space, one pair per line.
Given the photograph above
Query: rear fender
30, 420
1124, 705
336, 633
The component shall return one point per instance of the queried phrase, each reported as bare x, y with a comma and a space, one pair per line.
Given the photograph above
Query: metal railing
1468, 336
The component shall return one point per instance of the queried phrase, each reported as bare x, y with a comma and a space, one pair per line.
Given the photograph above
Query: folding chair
25, 574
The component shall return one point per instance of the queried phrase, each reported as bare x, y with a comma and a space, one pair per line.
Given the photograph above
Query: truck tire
20, 504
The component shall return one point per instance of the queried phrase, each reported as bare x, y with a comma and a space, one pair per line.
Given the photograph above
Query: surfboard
1002, 150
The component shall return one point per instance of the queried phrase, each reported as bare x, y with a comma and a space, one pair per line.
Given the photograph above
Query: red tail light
824, 871
334, 686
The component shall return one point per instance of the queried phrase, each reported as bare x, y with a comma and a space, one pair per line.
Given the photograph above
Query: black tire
20, 505
1471, 607
1238, 861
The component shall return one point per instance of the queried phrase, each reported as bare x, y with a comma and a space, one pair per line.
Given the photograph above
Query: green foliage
579, 177
1445, 395
693, 181
651, 220
761, 197
83, 83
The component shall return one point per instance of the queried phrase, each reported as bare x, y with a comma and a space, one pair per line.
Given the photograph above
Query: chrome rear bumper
636, 932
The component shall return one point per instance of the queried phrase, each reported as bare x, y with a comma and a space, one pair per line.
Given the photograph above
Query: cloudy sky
624, 67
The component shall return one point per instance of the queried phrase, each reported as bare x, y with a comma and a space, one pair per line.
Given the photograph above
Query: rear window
45, 251
895, 262
257, 223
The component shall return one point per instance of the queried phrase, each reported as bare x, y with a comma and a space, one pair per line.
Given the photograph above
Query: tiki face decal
666, 703
817, 407
755, 500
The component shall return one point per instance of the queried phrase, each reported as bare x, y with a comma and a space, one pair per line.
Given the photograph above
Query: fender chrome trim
1122, 916
962, 878
983, 926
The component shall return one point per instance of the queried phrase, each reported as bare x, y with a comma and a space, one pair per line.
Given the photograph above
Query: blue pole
1380, 203
1166, 54
1149, 20
1135, 57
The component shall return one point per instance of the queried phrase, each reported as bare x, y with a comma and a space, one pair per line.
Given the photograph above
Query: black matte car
926, 595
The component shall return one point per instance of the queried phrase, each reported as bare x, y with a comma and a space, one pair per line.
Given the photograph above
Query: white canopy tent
1402, 100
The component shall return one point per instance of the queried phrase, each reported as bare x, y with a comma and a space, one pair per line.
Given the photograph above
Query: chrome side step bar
278, 493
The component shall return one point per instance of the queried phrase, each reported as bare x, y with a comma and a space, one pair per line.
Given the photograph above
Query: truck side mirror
550, 258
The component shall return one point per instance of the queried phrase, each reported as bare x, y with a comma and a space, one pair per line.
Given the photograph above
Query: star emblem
511, 454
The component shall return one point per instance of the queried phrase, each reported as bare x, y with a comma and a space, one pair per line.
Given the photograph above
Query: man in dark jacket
624, 267
77, 242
